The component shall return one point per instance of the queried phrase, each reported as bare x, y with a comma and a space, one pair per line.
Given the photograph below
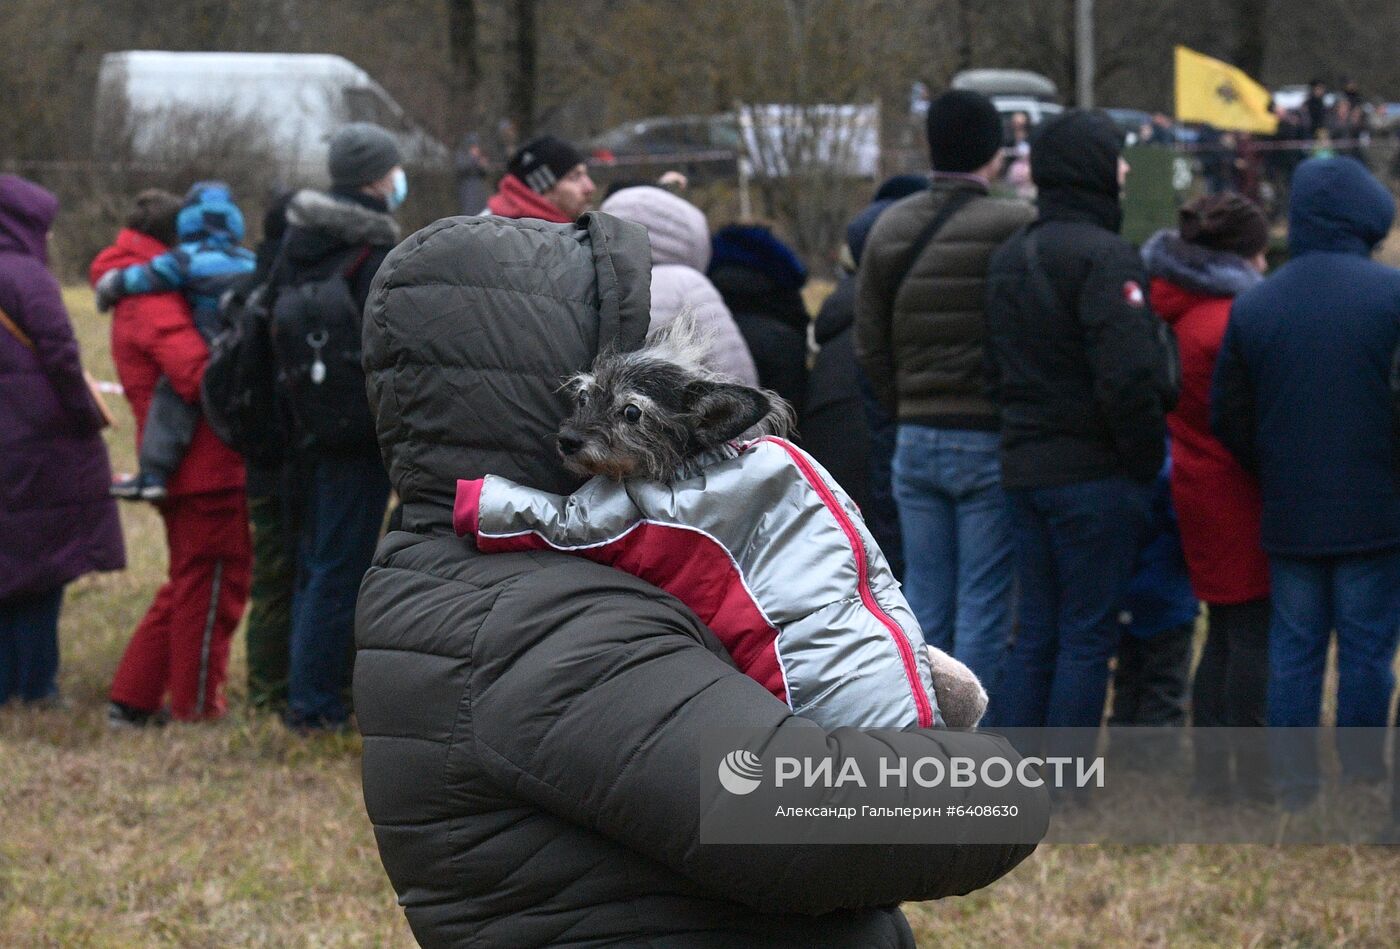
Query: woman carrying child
179, 651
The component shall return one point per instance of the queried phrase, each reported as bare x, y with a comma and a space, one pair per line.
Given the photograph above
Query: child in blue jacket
206, 263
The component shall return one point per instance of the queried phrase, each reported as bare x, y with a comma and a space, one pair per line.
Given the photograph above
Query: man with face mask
546, 179
337, 469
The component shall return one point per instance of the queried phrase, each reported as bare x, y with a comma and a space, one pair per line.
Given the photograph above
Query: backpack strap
955, 202
358, 262
1040, 284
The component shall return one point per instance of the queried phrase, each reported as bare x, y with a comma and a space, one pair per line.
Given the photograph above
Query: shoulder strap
15, 331
1045, 294
358, 262
950, 207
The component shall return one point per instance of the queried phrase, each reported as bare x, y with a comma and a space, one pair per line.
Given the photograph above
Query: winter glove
108, 289
961, 698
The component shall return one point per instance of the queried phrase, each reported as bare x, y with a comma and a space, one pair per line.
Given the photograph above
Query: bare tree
523, 76
465, 62
1251, 35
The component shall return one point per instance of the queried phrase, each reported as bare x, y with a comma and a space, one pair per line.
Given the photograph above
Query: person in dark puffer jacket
920, 334
844, 426
1084, 375
761, 280
1302, 396
349, 229
531, 720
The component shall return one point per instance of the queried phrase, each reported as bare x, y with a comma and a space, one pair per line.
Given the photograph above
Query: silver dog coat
763, 545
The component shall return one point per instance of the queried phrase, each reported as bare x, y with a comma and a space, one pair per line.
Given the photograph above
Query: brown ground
239, 835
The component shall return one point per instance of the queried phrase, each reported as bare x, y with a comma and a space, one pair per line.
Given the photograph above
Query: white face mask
399, 190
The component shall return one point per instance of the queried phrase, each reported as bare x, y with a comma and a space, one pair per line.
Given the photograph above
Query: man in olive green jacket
919, 336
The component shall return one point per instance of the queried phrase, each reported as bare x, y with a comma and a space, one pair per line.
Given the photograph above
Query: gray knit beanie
362, 152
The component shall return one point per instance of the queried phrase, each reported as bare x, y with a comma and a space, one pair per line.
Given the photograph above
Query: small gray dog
673, 445
644, 414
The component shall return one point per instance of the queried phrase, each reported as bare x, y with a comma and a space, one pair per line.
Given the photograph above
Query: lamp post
1084, 53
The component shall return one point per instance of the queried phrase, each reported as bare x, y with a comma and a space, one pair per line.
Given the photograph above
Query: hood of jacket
677, 229
1074, 164
209, 213
1199, 271
130, 247
756, 248
472, 326
27, 212
325, 222
1338, 206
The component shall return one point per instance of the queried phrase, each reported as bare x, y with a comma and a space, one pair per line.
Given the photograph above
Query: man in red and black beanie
546, 179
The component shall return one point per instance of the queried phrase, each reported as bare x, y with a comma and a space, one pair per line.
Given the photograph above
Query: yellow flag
1214, 92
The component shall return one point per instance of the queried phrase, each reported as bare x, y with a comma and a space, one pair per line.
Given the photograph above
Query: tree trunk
964, 34
522, 87
1251, 40
465, 65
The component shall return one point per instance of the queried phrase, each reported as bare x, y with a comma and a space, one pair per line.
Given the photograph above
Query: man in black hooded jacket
1083, 374
534, 722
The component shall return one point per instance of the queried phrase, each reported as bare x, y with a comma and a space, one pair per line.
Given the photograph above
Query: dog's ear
721, 410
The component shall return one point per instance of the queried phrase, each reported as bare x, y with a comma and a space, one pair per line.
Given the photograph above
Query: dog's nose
569, 445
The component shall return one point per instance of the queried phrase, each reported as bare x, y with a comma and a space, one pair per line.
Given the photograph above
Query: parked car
1035, 110
1012, 91
772, 137
704, 147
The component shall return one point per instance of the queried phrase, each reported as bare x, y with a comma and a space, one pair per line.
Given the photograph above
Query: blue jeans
881, 514
29, 646
341, 520
1076, 547
958, 575
1359, 597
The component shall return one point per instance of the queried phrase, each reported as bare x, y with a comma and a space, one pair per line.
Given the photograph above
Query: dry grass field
238, 834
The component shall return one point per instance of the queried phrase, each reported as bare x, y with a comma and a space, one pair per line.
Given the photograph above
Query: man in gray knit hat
347, 231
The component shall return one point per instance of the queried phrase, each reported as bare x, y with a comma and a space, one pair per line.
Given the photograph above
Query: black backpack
316, 341
239, 389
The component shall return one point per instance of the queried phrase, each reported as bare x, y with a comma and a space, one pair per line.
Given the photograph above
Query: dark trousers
1150, 688
270, 601
1150, 683
1231, 691
340, 524
29, 646
170, 425
1076, 547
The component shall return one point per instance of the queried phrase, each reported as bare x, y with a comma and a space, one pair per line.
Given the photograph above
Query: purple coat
57, 521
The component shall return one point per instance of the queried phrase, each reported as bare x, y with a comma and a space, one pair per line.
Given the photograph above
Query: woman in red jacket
1197, 270
180, 649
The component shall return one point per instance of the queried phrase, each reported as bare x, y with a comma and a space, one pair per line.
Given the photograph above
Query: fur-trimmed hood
343, 218
1197, 269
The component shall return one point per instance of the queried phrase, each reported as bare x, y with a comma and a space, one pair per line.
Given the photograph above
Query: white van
293, 101
1012, 91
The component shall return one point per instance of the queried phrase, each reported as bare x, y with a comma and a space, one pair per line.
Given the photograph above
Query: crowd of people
1063, 444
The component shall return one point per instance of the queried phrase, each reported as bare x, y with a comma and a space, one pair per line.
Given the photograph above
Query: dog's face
639, 415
